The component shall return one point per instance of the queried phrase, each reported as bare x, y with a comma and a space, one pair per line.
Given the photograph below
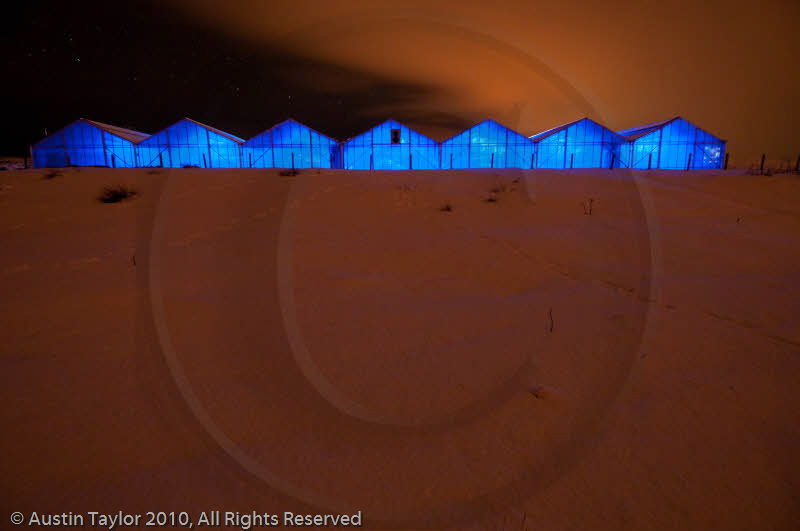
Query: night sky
437, 66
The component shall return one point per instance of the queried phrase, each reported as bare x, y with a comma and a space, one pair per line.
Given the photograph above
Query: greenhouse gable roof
544, 134
636, 132
489, 120
127, 134
292, 120
219, 132
549, 132
387, 121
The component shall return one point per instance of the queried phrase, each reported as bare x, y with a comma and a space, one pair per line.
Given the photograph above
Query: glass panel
78, 144
290, 144
583, 144
552, 150
487, 145
677, 144
391, 146
188, 144
645, 151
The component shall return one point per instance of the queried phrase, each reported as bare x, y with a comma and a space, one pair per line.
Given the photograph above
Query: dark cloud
729, 66
344, 66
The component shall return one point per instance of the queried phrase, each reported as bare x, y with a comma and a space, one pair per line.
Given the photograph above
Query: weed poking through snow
538, 391
500, 189
587, 207
115, 194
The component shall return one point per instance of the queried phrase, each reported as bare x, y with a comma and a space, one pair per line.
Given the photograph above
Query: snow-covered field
453, 347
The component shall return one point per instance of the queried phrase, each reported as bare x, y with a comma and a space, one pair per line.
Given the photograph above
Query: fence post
451, 161
331, 160
763, 156
160, 160
410, 167
113, 161
571, 158
689, 162
613, 158
532, 160
205, 165
649, 160
250, 159
725, 166
492, 160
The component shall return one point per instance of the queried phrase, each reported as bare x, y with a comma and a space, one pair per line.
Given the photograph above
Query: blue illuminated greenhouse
291, 145
188, 143
669, 144
581, 144
674, 144
391, 146
88, 143
488, 145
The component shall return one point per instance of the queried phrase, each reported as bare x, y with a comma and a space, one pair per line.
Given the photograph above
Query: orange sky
730, 68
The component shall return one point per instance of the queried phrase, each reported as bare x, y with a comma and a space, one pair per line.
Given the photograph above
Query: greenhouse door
335, 157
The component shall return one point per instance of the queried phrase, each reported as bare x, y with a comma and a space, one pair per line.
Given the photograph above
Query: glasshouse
488, 145
580, 144
88, 143
391, 146
291, 145
674, 144
669, 144
187, 144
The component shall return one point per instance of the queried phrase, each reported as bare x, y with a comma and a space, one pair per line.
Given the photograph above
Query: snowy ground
237, 340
